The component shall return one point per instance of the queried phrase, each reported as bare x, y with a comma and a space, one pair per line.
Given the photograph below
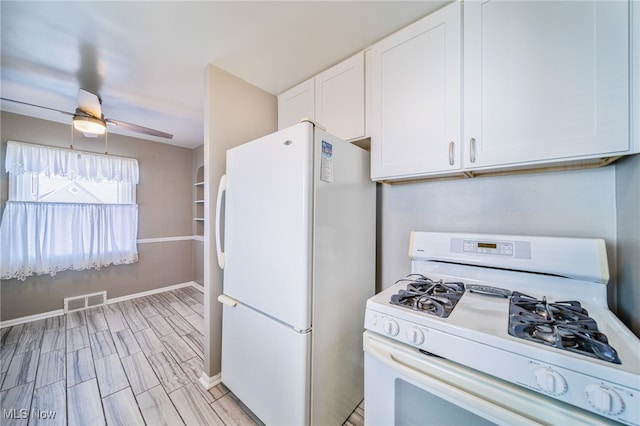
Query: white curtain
45, 238
30, 158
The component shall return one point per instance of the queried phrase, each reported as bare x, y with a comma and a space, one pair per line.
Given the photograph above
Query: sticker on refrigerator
326, 162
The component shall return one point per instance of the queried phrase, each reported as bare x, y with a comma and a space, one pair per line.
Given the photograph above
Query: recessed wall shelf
198, 202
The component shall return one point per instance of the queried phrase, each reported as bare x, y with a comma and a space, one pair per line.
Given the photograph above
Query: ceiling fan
88, 117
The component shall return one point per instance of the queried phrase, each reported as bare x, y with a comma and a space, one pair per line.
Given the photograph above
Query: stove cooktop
565, 325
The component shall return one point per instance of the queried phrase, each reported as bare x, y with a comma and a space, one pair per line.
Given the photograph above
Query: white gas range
499, 311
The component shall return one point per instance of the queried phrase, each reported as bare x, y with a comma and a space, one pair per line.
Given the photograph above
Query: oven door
406, 387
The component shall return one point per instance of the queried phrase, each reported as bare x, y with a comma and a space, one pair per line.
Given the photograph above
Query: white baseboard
197, 286
44, 315
154, 291
29, 318
209, 382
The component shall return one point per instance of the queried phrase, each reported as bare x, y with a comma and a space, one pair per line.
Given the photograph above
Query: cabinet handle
472, 150
451, 159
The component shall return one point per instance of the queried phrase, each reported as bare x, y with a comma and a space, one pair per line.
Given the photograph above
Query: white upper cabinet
340, 98
334, 99
297, 103
520, 84
415, 101
545, 81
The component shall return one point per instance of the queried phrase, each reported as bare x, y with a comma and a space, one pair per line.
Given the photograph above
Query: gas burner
426, 295
564, 325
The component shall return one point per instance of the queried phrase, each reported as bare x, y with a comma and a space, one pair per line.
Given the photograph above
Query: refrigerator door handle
222, 188
226, 300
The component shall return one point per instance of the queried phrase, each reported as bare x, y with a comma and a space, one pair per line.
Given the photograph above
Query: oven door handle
472, 390
406, 364
414, 366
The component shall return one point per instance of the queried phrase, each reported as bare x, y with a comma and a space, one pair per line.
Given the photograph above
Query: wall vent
78, 303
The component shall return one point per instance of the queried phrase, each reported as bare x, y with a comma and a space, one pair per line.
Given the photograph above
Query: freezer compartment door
266, 365
268, 224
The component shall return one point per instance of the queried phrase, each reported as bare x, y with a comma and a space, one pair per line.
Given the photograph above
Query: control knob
550, 381
604, 399
415, 336
391, 327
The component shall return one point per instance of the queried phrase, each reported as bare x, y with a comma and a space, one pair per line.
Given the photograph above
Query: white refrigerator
297, 245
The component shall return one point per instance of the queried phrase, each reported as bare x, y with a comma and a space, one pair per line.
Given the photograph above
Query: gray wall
580, 203
628, 220
165, 186
235, 112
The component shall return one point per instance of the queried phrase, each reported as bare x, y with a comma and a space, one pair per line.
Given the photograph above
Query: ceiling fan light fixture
92, 125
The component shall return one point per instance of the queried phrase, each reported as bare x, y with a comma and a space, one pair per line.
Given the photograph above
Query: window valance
75, 165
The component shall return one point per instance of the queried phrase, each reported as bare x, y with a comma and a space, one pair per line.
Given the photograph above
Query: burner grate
425, 295
564, 325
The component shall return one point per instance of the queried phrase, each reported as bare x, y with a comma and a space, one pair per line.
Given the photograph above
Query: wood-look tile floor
134, 362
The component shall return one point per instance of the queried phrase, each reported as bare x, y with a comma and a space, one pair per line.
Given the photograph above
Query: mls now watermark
14, 413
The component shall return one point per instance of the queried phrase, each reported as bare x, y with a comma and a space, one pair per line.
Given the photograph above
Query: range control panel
514, 249
503, 249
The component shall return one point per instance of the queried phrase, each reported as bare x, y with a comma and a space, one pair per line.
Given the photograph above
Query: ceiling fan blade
89, 103
139, 129
37, 106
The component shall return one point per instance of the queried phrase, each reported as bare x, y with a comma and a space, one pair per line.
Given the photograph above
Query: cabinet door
340, 98
296, 103
545, 80
416, 99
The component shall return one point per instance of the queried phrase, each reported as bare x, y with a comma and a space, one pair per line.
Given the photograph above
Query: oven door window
415, 406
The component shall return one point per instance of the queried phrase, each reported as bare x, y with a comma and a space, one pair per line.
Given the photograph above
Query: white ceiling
146, 59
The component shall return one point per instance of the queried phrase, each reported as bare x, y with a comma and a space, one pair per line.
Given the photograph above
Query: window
67, 210
56, 189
